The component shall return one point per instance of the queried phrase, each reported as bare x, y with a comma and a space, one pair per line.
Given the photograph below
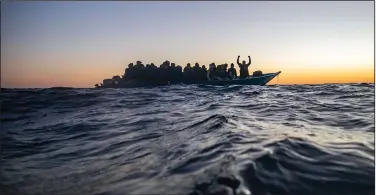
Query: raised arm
239, 62
208, 75
249, 60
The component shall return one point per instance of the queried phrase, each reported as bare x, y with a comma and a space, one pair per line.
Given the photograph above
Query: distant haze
78, 44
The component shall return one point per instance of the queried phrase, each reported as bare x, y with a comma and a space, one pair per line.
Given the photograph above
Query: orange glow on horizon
87, 78
327, 77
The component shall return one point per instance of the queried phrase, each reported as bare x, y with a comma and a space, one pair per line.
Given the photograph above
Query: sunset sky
78, 44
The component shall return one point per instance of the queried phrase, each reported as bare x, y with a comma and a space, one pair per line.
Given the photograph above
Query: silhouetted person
222, 71
129, 72
219, 70
187, 72
244, 67
197, 66
232, 71
196, 72
174, 74
187, 67
179, 71
152, 74
171, 73
139, 64
216, 71
214, 66
203, 73
225, 72
137, 70
167, 64
210, 72
164, 72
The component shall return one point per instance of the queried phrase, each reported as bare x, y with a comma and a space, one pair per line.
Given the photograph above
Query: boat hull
252, 80
260, 80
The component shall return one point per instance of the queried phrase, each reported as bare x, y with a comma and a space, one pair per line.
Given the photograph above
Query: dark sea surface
196, 139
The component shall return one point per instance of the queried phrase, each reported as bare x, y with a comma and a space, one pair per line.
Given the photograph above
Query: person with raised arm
244, 67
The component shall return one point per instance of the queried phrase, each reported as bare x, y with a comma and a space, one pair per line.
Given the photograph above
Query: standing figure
244, 67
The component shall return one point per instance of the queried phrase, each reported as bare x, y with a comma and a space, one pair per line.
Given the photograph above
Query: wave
297, 166
189, 139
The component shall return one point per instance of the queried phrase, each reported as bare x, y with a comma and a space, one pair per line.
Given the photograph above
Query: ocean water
180, 139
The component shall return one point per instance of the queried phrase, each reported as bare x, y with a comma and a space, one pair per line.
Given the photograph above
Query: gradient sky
78, 44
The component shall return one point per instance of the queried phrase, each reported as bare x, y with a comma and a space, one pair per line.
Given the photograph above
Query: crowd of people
172, 73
